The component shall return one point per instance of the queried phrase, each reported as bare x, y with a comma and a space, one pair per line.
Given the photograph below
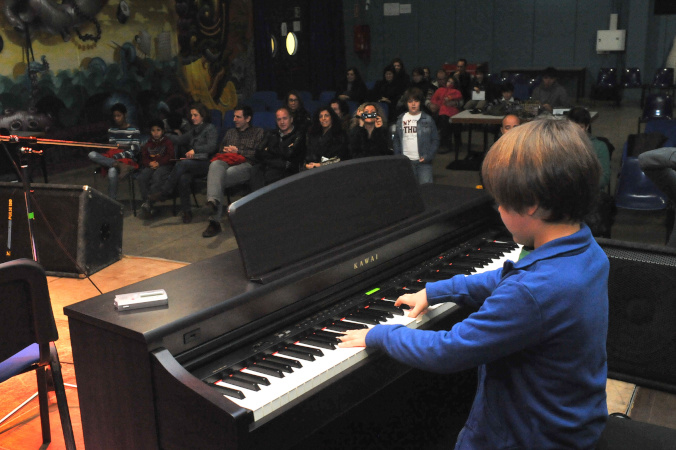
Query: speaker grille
642, 317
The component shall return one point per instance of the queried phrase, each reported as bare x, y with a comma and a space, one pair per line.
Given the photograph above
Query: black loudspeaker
87, 227
642, 314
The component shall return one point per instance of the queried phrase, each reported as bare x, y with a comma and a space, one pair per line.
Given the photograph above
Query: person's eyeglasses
291, 100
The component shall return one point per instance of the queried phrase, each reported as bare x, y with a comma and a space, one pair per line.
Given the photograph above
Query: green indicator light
372, 291
31, 216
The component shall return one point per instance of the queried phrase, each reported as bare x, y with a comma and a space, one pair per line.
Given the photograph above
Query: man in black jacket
281, 154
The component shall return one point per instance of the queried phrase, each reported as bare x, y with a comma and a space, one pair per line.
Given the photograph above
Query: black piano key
326, 335
232, 379
300, 348
297, 354
386, 314
284, 367
318, 343
356, 317
414, 286
457, 263
389, 308
347, 326
253, 378
266, 370
432, 276
290, 362
375, 314
234, 393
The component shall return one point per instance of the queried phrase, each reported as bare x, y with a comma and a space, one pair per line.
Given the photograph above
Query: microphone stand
26, 150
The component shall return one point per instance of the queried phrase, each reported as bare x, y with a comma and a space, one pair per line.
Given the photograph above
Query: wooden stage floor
22, 430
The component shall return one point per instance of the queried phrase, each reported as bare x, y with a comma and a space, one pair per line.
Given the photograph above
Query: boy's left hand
354, 338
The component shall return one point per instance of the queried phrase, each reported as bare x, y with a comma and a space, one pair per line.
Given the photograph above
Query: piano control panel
289, 364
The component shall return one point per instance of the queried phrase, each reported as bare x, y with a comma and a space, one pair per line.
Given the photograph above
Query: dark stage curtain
327, 45
265, 76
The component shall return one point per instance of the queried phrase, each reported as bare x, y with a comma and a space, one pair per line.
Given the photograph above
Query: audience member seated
294, 103
342, 110
660, 166
119, 163
326, 143
367, 139
202, 142
549, 93
156, 163
426, 74
506, 104
282, 152
353, 87
509, 122
233, 164
446, 100
416, 136
463, 80
599, 219
387, 91
401, 78
481, 91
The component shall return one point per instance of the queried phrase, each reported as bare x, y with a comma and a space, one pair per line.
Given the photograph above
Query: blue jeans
106, 162
422, 171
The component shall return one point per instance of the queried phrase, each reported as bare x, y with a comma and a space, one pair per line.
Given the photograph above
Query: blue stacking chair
256, 104
306, 96
269, 97
370, 85
326, 96
635, 191
217, 120
265, 120
657, 107
353, 106
28, 334
228, 120
312, 105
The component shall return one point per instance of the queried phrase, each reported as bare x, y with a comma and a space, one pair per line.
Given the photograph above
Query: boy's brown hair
548, 162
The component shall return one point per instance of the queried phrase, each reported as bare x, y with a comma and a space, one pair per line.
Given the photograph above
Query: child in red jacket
156, 163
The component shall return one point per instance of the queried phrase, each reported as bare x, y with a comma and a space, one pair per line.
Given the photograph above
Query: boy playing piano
539, 330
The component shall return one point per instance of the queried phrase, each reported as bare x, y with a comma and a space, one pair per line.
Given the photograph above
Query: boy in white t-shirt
416, 136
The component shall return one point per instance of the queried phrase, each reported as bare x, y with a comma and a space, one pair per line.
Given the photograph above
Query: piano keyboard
301, 362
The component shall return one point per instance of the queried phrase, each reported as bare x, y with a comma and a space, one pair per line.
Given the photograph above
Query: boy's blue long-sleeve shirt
539, 339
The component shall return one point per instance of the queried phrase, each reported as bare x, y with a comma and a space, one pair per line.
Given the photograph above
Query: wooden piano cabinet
114, 387
192, 415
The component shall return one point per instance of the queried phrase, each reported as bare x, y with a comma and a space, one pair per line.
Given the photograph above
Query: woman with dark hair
301, 118
202, 142
342, 110
387, 91
326, 139
401, 77
352, 87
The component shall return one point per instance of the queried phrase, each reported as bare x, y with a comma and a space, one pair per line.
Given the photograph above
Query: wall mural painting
215, 39
73, 59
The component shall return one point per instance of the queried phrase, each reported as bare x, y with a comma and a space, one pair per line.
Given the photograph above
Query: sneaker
212, 230
147, 210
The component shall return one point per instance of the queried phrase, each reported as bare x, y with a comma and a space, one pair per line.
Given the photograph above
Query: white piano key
323, 369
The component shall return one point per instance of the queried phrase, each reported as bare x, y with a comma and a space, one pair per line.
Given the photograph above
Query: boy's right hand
417, 303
